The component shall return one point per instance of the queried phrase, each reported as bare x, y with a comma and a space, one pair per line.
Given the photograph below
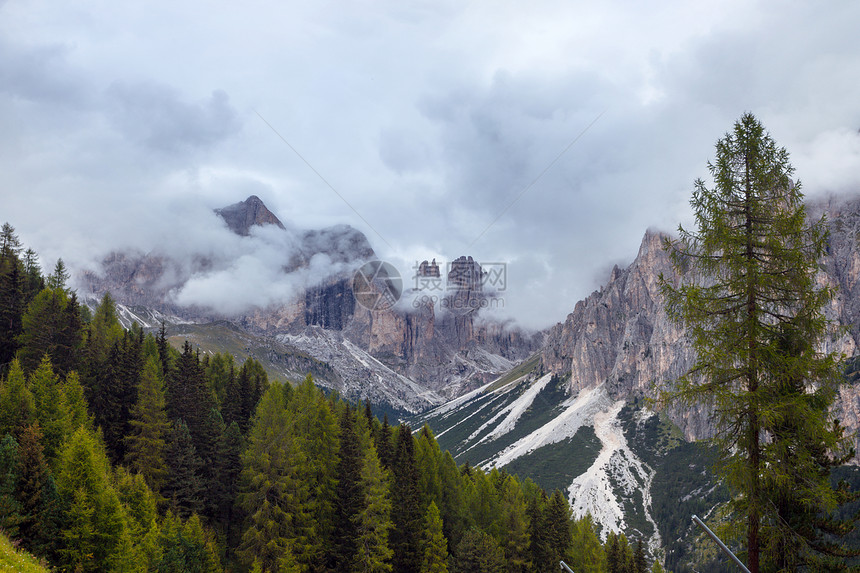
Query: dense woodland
120, 453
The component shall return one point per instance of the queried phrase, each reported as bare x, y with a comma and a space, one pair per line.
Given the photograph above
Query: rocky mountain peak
241, 216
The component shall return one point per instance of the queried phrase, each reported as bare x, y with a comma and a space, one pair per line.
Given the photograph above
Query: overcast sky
545, 135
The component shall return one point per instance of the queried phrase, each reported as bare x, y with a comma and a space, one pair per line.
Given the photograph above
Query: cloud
155, 116
438, 122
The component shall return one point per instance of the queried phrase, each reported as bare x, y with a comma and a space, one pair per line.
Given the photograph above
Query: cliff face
621, 335
438, 343
241, 216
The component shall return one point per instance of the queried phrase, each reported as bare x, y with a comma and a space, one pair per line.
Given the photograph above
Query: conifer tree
350, 496
316, 435
17, 406
373, 553
50, 327
273, 496
586, 555
10, 508
406, 505
48, 402
750, 283
38, 527
183, 487
94, 526
227, 470
478, 552
145, 445
514, 531
435, 551
189, 397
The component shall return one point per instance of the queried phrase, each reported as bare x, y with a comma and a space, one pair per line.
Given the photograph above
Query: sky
545, 136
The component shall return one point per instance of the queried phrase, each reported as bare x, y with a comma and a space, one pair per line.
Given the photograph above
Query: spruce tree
17, 406
10, 508
406, 504
350, 495
747, 279
273, 496
146, 443
373, 524
183, 486
435, 552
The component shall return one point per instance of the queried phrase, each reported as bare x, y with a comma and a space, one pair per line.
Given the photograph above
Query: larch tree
745, 280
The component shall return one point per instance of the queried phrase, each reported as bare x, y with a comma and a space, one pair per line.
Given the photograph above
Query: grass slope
13, 559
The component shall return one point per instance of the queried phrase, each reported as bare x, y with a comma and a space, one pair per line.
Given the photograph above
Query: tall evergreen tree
406, 505
10, 508
317, 436
94, 526
435, 551
350, 496
479, 552
273, 496
145, 445
751, 277
189, 397
373, 553
17, 406
184, 486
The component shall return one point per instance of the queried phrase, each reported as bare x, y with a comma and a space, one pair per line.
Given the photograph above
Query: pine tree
17, 406
47, 399
37, 527
184, 486
750, 281
639, 563
373, 524
189, 398
349, 496
406, 505
94, 528
316, 435
514, 530
273, 496
435, 552
50, 327
478, 552
227, 469
10, 508
12, 295
556, 522
586, 555
145, 445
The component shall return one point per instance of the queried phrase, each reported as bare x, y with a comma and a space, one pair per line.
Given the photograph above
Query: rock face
241, 216
621, 335
435, 344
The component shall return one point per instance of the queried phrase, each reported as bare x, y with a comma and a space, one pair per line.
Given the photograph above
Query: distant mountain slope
411, 356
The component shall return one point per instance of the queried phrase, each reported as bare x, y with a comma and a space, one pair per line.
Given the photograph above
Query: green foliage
435, 545
17, 405
751, 305
14, 559
479, 553
373, 523
149, 427
10, 508
273, 497
51, 325
184, 486
94, 525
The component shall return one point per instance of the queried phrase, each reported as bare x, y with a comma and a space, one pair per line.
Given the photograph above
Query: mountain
241, 216
406, 357
574, 415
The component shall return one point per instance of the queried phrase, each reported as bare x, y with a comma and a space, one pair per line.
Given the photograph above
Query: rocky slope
421, 351
620, 336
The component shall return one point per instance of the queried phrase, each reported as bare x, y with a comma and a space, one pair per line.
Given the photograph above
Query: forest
119, 452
